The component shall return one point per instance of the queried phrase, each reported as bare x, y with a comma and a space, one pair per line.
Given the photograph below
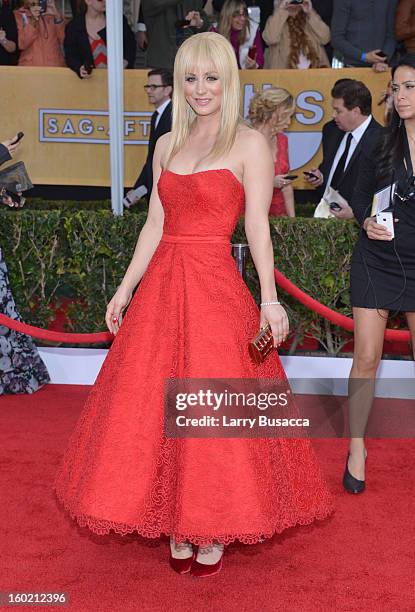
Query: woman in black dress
383, 268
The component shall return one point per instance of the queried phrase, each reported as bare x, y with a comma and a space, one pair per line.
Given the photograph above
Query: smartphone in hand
18, 138
252, 52
385, 218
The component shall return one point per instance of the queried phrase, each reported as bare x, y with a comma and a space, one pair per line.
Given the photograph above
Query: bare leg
410, 317
369, 330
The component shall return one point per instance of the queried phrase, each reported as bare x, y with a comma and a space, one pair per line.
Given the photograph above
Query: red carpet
361, 559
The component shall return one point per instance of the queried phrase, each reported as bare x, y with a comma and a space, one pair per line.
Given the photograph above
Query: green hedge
83, 254
303, 210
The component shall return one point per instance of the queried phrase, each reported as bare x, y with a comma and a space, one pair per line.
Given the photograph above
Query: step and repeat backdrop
66, 124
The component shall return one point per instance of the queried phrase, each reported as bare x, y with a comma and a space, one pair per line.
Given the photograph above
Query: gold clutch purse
260, 347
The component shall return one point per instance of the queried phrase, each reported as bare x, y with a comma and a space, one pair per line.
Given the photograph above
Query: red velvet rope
346, 323
45, 334
324, 311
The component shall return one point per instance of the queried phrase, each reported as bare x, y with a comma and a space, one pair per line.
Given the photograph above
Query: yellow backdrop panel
65, 120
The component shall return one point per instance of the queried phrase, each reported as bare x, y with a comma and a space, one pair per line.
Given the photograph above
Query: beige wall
65, 122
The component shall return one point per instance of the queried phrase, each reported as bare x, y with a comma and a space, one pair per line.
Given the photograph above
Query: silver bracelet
270, 303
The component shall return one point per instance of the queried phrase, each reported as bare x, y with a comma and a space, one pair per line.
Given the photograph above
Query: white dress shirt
357, 136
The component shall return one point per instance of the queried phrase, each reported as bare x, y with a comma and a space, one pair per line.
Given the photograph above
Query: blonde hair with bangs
215, 52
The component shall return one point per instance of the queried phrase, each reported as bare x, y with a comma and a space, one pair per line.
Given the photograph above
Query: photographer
41, 29
21, 368
296, 36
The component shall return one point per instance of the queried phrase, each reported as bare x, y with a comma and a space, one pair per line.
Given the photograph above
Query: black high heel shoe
350, 483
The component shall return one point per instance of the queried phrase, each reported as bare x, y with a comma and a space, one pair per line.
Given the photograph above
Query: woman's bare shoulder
162, 146
250, 136
250, 142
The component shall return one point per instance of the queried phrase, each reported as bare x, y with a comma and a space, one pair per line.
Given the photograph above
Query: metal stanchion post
241, 252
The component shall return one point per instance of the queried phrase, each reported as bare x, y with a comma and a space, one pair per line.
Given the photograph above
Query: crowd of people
351, 132
264, 33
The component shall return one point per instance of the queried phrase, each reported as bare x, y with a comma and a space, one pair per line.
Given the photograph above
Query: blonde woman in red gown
270, 112
192, 316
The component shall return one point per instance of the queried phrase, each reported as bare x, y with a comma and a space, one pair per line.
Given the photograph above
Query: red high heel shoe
182, 566
202, 570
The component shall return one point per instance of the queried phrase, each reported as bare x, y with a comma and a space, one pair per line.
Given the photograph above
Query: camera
294, 2
182, 23
408, 192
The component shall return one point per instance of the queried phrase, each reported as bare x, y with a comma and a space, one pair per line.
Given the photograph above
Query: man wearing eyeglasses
159, 89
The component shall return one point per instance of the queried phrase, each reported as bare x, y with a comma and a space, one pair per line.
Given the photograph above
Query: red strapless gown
192, 317
282, 166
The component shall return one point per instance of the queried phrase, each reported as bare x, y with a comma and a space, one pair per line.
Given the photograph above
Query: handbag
261, 346
15, 178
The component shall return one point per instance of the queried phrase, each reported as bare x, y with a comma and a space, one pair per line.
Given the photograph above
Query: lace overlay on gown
191, 317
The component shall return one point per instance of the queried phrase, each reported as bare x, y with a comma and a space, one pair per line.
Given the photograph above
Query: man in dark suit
351, 131
159, 89
361, 31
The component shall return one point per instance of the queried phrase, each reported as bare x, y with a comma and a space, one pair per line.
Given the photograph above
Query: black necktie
152, 139
153, 122
339, 171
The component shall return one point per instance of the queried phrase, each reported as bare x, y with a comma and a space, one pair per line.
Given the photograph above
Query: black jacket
4, 154
359, 27
163, 126
8, 24
332, 137
78, 50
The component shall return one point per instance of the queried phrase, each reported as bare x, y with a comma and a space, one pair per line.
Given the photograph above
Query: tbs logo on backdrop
304, 144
